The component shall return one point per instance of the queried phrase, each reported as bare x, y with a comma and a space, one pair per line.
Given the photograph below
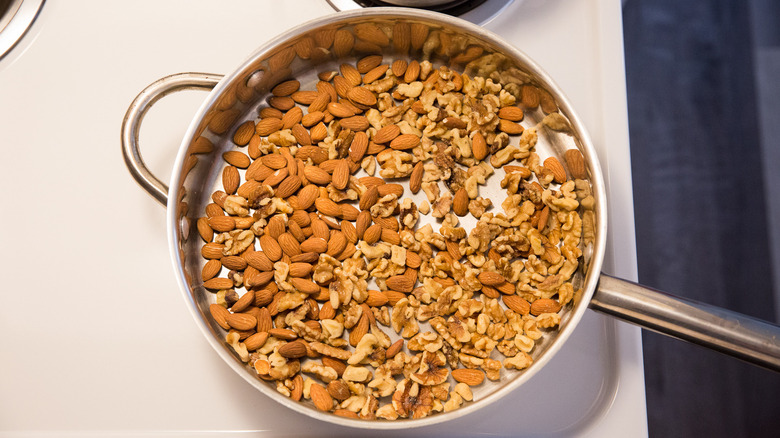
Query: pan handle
131, 125
737, 335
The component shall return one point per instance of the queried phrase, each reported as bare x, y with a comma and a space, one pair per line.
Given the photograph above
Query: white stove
97, 340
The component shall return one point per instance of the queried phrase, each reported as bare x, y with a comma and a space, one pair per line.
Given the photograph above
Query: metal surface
475, 11
728, 332
16, 17
131, 125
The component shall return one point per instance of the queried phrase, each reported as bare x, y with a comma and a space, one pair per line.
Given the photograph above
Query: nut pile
315, 268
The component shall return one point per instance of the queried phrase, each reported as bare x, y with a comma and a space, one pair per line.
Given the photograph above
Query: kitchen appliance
606, 353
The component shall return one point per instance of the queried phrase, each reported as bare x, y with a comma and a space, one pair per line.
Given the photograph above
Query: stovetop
98, 340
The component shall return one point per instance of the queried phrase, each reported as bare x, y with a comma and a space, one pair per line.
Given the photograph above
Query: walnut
364, 348
412, 400
237, 241
492, 369
431, 189
387, 412
385, 206
433, 369
424, 207
441, 206
356, 374
232, 339
323, 270
520, 361
236, 206
394, 164
408, 214
325, 373
383, 382
548, 320
403, 320
328, 350
425, 341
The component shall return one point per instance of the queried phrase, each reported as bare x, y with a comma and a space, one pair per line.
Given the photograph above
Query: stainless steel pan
236, 97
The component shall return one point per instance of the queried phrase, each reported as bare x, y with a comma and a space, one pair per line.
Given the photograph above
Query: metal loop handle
131, 125
731, 333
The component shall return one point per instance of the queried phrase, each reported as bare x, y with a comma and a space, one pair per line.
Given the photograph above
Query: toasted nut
545, 305
293, 350
471, 377
489, 278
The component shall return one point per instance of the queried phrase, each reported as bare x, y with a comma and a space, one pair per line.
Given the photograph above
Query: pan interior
308, 50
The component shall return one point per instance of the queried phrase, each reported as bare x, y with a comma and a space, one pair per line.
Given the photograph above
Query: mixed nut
326, 282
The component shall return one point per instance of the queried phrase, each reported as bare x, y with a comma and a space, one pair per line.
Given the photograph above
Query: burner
476, 11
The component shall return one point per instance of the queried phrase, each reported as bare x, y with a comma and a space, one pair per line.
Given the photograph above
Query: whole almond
544, 216
320, 397
529, 96
387, 134
460, 202
234, 262
300, 269
320, 103
316, 175
490, 278
355, 123
340, 177
350, 233
555, 166
286, 88
327, 207
274, 161
204, 230
222, 223
284, 334
371, 33
307, 195
276, 178
342, 86
288, 187
244, 302
404, 142
259, 261
373, 234
545, 305
510, 127
375, 73
241, 321
394, 348
289, 244
351, 74
316, 153
413, 260
212, 250
256, 341
263, 297
576, 163
340, 110
305, 286
270, 247
339, 390
268, 126
220, 315
362, 223
517, 304
218, 283
310, 119
391, 189
393, 296
376, 298
326, 311
479, 146
275, 226
401, 283
511, 113
471, 377
230, 179
292, 117
301, 135
304, 97
237, 159
293, 350
336, 243
390, 236
305, 257
415, 179
358, 147
369, 198
361, 96
367, 63
264, 320
359, 330
210, 269
244, 133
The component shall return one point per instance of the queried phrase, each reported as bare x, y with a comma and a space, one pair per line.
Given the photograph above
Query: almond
510, 127
362, 223
517, 304
471, 377
310, 119
358, 147
275, 226
545, 305
343, 41
511, 113
320, 103
305, 97
340, 110
454, 123
284, 334
555, 166
305, 286
390, 236
234, 262
543, 218
351, 74
369, 198
350, 233
359, 330
361, 96
263, 297
373, 234
393, 296
371, 33
218, 283
293, 350
222, 224
391, 189
320, 397
327, 207
336, 244
256, 341
259, 261
237, 159
274, 161
490, 278
342, 86
210, 269
212, 250
340, 177
576, 163
320, 228
506, 288
316, 153
220, 315
268, 126
376, 298
479, 146
241, 321
413, 260
367, 63
276, 178
387, 134
305, 257
460, 203
244, 133
289, 244
339, 390
300, 270
404, 142
204, 230
398, 67
401, 283
288, 187
415, 179
355, 123
301, 135
529, 96
316, 175
270, 247
375, 73
244, 302
307, 196
412, 72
